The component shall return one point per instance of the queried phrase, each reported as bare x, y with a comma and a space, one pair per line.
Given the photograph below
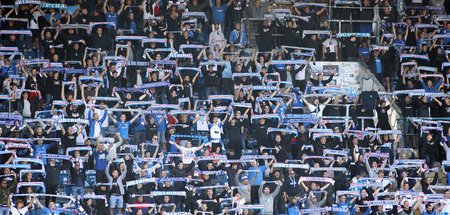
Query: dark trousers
254, 194
100, 176
330, 56
227, 86
50, 189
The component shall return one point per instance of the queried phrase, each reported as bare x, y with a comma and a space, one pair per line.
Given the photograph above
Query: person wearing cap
313, 203
243, 185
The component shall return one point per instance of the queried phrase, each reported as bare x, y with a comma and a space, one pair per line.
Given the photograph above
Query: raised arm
107, 171
104, 7
135, 117
112, 118
124, 173
277, 190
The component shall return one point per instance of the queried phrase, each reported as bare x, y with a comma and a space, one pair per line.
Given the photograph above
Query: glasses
155, 138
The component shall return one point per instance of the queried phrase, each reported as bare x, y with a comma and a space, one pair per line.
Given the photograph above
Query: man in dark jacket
77, 179
52, 172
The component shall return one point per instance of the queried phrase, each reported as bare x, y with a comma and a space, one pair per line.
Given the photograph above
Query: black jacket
52, 174
76, 174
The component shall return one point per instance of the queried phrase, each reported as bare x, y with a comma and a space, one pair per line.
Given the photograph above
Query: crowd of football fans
199, 107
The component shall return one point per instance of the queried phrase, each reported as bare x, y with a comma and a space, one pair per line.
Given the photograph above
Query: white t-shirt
97, 129
301, 75
215, 130
56, 124
202, 124
34, 21
330, 45
26, 108
22, 211
312, 109
188, 154
81, 137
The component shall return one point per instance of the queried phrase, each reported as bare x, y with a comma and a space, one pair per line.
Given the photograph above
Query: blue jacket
234, 37
92, 122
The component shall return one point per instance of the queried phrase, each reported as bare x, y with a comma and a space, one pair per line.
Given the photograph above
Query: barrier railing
253, 33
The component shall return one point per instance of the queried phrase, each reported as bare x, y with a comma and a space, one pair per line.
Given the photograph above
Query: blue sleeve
47, 146
438, 84
231, 39
423, 84
47, 17
243, 38
90, 115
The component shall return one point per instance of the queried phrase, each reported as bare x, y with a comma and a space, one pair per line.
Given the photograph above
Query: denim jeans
4, 211
116, 201
162, 137
211, 91
429, 160
77, 191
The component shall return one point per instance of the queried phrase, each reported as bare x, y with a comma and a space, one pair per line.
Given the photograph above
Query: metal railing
376, 33
252, 32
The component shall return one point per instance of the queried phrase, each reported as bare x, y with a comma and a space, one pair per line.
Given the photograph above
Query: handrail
377, 35
341, 7
355, 20
377, 31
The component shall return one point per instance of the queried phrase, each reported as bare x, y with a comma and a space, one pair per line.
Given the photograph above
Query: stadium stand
224, 107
